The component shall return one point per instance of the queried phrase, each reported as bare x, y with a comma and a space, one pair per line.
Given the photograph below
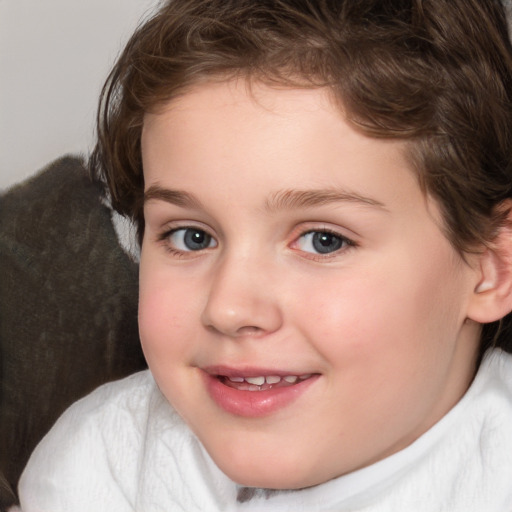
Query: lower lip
254, 404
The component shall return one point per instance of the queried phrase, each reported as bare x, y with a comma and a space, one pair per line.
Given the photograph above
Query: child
322, 194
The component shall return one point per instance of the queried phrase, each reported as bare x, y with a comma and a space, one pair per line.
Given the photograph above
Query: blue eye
321, 242
190, 239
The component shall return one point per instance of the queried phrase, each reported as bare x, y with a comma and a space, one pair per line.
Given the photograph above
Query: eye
190, 239
322, 242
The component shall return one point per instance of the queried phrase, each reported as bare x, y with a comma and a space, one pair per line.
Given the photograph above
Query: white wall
54, 57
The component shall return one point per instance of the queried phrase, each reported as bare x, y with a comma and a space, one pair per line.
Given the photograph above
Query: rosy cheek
152, 306
340, 317
167, 313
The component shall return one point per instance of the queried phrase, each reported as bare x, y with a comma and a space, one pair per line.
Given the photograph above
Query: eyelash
165, 239
345, 243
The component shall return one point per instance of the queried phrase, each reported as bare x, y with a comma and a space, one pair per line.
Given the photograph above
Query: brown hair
437, 73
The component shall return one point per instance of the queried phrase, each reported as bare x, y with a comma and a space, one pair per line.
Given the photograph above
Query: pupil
326, 242
196, 240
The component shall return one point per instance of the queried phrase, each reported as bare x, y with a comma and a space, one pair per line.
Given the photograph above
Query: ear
492, 296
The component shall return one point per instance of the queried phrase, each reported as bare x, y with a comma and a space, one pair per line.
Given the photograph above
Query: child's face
281, 243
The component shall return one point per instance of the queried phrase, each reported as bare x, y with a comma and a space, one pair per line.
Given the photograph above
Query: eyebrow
176, 197
290, 199
281, 200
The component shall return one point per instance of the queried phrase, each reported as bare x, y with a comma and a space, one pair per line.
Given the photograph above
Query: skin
383, 321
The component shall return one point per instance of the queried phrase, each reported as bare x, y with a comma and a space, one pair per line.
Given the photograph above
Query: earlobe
492, 296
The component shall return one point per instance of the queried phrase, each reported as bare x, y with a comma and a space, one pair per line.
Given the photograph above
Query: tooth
306, 376
291, 379
272, 379
236, 379
257, 381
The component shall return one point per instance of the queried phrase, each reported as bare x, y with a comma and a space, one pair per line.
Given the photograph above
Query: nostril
249, 330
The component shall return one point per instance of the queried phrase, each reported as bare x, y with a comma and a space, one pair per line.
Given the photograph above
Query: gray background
54, 57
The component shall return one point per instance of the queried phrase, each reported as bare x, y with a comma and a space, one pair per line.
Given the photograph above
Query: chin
267, 482
270, 476
265, 461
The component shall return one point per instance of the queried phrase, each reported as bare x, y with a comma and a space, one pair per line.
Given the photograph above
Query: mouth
255, 393
262, 382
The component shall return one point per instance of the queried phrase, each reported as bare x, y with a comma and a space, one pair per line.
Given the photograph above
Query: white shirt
124, 449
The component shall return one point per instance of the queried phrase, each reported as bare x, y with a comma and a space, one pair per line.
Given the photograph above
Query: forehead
228, 122
241, 100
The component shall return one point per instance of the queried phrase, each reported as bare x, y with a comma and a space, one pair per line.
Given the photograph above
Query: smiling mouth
262, 383
254, 393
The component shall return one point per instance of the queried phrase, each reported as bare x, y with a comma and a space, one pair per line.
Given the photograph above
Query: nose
241, 300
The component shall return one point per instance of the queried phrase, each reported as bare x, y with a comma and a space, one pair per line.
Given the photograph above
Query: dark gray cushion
68, 307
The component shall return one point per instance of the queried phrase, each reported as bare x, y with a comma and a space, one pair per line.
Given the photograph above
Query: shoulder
130, 394
120, 404
90, 456
489, 402
482, 440
494, 378
486, 409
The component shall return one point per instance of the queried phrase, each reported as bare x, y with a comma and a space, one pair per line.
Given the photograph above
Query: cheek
164, 307
393, 312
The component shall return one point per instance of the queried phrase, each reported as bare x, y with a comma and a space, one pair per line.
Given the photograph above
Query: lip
253, 404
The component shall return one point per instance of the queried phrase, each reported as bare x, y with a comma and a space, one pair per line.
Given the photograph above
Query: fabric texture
68, 308
124, 449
